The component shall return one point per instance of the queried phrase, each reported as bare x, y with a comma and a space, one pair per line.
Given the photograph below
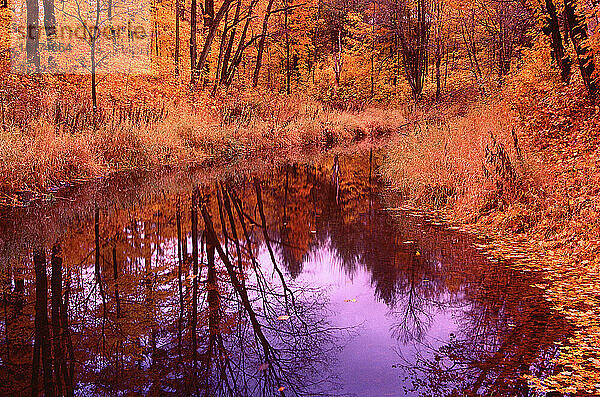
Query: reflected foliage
196, 288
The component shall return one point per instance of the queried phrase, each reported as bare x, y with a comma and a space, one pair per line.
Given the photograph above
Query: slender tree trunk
288, 88
261, 44
551, 28
577, 27
49, 25
337, 60
33, 34
177, 18
193, 46
209, 13
229, 48
237, 58
211, 35
222, 49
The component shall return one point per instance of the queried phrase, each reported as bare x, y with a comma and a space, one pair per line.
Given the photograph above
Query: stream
272, 279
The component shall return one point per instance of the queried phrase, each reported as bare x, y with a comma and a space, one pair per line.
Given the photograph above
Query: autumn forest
300, 197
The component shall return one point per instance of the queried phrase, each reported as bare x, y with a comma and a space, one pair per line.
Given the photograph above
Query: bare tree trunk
288, 89
337, 60
209, 13
551, 28
261, 44
229, 48
193, 46
177, 18
577, 27
33, 34
49, 25
211, 34
237, 58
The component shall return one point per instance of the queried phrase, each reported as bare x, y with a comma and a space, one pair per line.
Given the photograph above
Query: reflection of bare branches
413, 314
287, 351
502, 340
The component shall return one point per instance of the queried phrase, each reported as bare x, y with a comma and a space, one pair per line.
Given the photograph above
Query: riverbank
522, 173
64, 143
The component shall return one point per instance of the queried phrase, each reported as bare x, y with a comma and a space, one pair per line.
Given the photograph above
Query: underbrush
468, 161
522, 172
52, 137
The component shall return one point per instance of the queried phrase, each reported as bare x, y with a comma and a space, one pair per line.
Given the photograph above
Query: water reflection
251, 284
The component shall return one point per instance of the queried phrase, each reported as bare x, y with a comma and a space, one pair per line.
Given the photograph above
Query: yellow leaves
283, 318
350, 300
282, 388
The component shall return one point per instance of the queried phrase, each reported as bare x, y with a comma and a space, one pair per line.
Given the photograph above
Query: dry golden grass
450, 158
64, 143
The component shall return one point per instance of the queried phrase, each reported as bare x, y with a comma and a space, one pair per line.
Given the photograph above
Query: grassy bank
53, 140
522, 172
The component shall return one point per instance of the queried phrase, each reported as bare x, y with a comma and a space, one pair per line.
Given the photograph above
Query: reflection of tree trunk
69, 373
116, 279
6, 326
268, 244
42, 333
234, 234
56, 287
194, 218
19, 290
97, 267
212, 240
179, 280
213, 307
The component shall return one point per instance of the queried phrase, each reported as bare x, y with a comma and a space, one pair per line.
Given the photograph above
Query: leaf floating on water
263, 366
350, 300
417, 253
283, 318
282, 388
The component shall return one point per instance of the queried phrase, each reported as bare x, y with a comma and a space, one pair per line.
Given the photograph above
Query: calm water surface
283, 280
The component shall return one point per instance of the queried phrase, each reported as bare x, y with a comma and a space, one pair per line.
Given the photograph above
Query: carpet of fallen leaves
560, 130
559, 133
